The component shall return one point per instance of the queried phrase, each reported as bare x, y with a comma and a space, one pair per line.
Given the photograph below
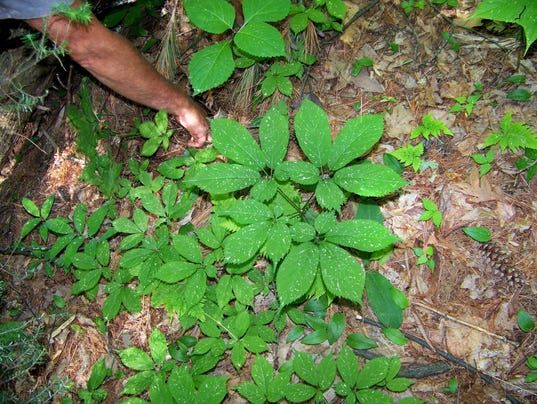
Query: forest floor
465, 307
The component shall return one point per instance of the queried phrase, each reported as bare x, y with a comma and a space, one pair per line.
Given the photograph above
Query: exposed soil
465, 308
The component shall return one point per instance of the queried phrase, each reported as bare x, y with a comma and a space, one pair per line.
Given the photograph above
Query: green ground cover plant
284, 214
275, 230
257, 41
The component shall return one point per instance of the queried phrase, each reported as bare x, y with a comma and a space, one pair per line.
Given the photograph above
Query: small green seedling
410, 155
93, 393
411, 5
394, 46
468, 103
431, 212
277, 77
430, 127
450, 39
359, 64
452, 387
156, 133
81, 14
484, 161
481, 234
425, 256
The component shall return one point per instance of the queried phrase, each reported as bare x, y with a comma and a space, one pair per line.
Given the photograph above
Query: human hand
194, 119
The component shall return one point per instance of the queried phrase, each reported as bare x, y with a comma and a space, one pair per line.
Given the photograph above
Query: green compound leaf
298, 393
313, 133
514, 135
235, 142
135, 358
152, 204
347, 366
336, 326
299, 22
29, 226
369, 180
214, 16
278, 242
79, 217
301, 172
519, 94
188, 247
195, 289
96, 219
329, 195
30, 207
138, 383
247, 211
170, 168
243, 245
158, 346
238, 356
221, 178
255, 344
264, 190
399, 384
261, 373
175, 271
342, 274
380, 298
327, 372
211, 67
373, 373
521, 12
481, 234
430, 127
124, 225
260, 39
410, 155
150, 146
304, 367
251, 392
265, 11
374, 396
395, 335
297, 272
356, 138
211, 389
336, 8
46, 208
361, 234
274, 136
360, 341
59, 225
98, 374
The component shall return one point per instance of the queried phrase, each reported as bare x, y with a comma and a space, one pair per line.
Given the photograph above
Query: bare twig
466, 324
472, 369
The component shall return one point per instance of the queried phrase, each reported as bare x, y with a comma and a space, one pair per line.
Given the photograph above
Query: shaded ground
466, 307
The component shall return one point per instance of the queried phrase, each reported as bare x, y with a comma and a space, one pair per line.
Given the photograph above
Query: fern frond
514, 135
409, 155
